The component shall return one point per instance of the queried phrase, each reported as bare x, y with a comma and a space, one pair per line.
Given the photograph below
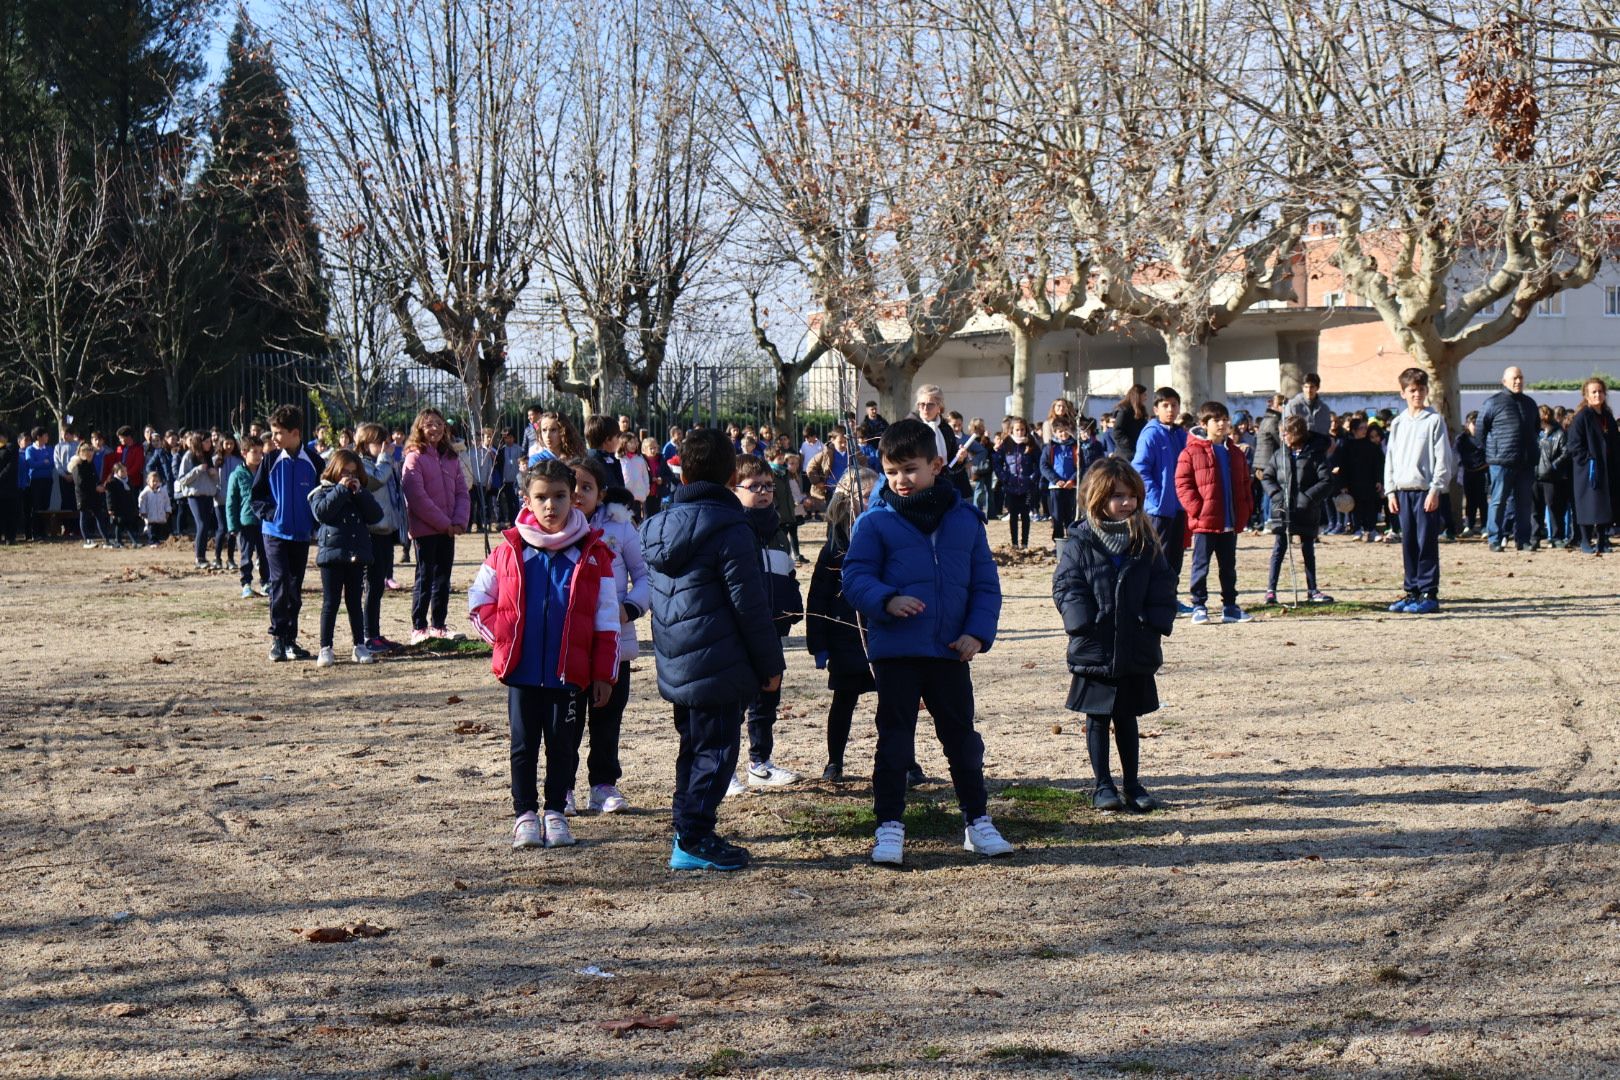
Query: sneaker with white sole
981, 837
362, 655
889, 846
1200, 615
570, 809
327, 658
557, 831
247, 592
526, 831
1233, 613
767, 774
606, 799
736, 787
419, 636
260, 590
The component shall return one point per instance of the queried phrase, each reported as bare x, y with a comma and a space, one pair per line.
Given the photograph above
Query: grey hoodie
1418, 455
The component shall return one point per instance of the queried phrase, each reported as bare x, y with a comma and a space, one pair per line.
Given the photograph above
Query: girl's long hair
418, 438
573, 445
340, 462
1098, 486
857, 482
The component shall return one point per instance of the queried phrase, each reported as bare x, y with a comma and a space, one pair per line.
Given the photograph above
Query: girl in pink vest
547, 601
437, 507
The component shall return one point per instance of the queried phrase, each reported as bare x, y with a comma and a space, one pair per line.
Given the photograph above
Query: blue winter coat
949, 570
711, 612
1158, 449
1017, 468
1117, 610
345, 518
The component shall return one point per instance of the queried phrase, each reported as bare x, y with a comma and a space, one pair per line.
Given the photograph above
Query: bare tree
630, 178
787, 370
64, 279
421, 127
864, 180
1469, 151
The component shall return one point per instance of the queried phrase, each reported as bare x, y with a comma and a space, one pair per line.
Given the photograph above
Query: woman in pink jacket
437, 507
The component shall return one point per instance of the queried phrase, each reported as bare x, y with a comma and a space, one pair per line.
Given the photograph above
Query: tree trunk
481, 403
1189, 369
1023, 371
643, 417
1445, 387
787, 380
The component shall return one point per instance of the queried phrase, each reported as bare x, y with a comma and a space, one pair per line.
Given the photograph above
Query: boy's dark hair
288, 418
1212, 410
1086, 425
126, 430
619, 496
591, 465
1294, 430
748, 466
41, 433
871, 404
707, 456
551, 471
599, 429
1166, 393
1313, 379
908, 439
1062, 422
1356, 421
1414, 376
1471, 417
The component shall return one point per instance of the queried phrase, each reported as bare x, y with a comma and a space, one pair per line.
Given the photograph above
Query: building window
1334, 299
1611, 302
1552, 307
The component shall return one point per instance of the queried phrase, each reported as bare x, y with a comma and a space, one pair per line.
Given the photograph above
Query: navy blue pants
946, 687
287, 560
377, 574
202, 516
342, 583
1516, 485
1061, 507
435, 557
1223, 546
711, 736
253, 550
1170, 533
550, 719
1420, 543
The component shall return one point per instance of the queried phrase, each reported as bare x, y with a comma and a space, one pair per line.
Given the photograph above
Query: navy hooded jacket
711, 610
949, 569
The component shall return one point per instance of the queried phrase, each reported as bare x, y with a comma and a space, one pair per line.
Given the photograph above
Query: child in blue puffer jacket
919, 572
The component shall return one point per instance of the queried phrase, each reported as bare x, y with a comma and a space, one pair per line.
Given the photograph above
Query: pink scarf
573, 531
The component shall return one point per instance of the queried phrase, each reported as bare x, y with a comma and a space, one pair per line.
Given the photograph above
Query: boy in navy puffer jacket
709, 604
919, 573
1060, 466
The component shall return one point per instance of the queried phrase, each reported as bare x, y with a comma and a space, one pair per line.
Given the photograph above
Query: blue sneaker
1233, 613
1428, 605
1200, 615
1403, 605
709, 853
1184, 609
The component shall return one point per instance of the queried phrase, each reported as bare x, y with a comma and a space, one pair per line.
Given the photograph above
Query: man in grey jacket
1508, 427
1309, 406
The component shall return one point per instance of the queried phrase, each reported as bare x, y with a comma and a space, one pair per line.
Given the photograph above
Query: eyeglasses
928, 405
758, 489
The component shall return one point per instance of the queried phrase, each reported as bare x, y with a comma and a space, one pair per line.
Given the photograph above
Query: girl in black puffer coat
1118, 599
831, 633
1297, 479
345, 511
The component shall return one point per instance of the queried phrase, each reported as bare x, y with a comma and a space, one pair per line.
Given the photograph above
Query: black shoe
295, 651
278, 651
1495, 546
1138, 799
833, 774
713, 853
915, 776
1106, 798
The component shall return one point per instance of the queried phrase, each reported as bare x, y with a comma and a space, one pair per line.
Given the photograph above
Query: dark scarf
927, 507
766, 521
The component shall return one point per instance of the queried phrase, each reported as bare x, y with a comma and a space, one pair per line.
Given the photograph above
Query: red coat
1198, 486
590, 644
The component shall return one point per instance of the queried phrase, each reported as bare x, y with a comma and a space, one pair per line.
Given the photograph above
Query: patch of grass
924, 819
1338, 607
1025, 1052
1138, 1067
1023, 813
1390, 975
932, 1053
719, 1063
449, 647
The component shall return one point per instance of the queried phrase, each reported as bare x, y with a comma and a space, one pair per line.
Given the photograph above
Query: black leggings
435, 555
202, 512
381, 569
840, 715
602, 765
1018, 512
1126, 735
342, 583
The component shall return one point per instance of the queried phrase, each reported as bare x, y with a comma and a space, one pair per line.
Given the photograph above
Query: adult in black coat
1130, 417
10, 494
1594, 455
1508, 425
1297, 480
931, 411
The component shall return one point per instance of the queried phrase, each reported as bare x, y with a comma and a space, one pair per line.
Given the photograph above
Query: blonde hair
857, 483
1098, 486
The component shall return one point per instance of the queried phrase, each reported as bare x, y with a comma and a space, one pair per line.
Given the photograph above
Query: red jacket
133, 459
1198, 486
590, 645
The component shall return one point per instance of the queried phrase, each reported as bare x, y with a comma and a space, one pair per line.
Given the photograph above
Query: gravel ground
1389, 851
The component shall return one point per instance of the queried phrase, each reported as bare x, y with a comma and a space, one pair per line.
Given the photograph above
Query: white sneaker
569, 809
981, 836
327, 657
765, 774
606, 798
526, 831
557, 832
736, 787
260, 590
88, 544
363, 655
419, 636
890, 846
247, 592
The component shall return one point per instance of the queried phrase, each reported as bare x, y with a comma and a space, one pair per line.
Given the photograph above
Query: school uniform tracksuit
281, 500
1158, 448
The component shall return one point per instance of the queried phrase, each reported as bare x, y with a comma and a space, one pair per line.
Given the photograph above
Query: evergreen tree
256, 187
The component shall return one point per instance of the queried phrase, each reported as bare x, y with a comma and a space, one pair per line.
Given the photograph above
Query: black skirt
1133, 695
856, 678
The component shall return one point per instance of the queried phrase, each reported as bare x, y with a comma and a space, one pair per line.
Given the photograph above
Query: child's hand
600, 692
626, 613
967, 647
904, 607
1394, 504
772, 684
1431, 502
